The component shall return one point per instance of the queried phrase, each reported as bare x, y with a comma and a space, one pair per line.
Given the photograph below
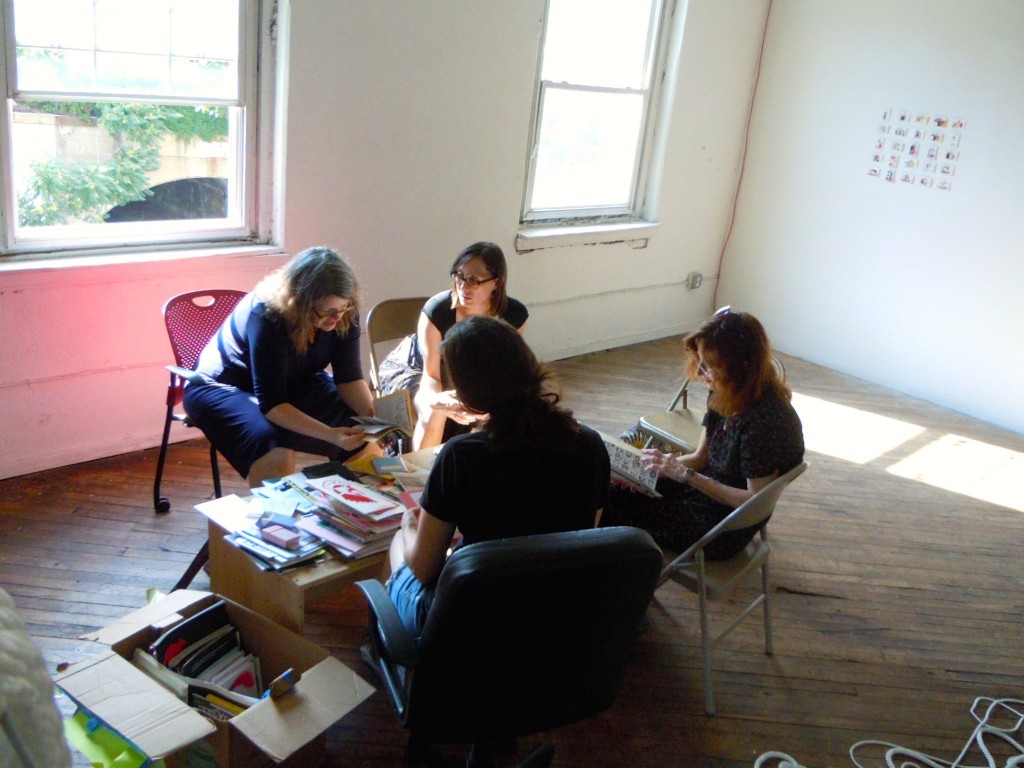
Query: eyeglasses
726, 310
333, 314
704, 372
470, 280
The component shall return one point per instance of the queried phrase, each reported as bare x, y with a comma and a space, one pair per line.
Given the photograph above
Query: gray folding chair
716, 579
388, 321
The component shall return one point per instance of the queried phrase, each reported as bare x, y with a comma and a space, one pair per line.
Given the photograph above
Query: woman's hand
667, 464
349, 438
447, 403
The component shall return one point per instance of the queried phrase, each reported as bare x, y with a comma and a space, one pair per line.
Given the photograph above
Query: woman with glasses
265, 391
478, 275
751, 435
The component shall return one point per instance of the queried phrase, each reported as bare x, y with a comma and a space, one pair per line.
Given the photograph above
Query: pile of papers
351, 517
276, 557
356, 520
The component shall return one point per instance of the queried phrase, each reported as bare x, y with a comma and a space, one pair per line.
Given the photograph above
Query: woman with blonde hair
751, 435
266, 392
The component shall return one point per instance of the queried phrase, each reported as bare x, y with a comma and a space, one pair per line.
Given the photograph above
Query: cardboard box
287, 731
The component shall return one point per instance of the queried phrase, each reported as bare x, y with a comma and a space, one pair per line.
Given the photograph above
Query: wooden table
281, 597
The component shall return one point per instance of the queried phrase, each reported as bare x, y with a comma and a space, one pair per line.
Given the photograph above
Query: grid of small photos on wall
917, 149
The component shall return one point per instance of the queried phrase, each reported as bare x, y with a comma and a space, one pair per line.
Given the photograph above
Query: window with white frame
129, 123
595, 112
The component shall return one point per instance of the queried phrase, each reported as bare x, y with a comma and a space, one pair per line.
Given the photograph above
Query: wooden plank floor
897, 602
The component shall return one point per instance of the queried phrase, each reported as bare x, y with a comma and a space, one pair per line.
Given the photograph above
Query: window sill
635, 234
141, 255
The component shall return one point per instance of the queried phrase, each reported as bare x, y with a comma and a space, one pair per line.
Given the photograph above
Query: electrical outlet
694, 280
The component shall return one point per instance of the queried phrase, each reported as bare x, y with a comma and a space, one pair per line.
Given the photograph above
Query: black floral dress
766, 439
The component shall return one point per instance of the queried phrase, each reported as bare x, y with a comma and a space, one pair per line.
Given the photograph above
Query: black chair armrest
398, 646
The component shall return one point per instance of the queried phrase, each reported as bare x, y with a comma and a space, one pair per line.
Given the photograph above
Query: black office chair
524, 635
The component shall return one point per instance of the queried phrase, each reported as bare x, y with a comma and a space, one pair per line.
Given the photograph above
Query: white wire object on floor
997, 742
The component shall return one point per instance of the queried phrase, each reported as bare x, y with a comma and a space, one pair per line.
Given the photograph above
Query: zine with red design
356, 497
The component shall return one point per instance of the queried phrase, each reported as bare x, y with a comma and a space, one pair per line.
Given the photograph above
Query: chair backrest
192, 318
389, 320
761, 505
529, 633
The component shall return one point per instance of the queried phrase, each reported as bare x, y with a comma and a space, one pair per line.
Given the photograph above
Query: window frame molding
261, 29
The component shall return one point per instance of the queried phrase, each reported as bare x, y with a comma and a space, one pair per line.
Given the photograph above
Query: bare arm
429, 423
675, 468
426, 541
357, 396
289, 417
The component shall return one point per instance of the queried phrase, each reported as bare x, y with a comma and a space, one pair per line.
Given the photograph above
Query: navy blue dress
251, 366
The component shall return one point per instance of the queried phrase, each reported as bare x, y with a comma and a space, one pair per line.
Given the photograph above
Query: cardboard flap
159, 614
324, 695
127, 700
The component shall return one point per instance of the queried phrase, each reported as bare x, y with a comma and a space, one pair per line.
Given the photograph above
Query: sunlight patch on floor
849, 433
980, 470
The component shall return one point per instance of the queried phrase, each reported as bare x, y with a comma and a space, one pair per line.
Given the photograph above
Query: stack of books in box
352, 518
201, 660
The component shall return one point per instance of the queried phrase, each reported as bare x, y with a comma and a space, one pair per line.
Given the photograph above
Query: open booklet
627, 466
394, 416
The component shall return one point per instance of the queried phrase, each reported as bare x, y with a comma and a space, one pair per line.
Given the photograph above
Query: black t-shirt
439, 309
492, 494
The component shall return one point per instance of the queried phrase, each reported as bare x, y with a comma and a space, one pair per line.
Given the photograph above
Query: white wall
914, 288
421, 149
407, 126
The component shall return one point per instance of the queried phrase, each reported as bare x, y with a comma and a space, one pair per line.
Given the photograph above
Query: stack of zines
352, 518
201, 660
271, 557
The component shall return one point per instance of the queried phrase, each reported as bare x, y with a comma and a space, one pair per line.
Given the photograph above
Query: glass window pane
45, 69
587, 150
205, 29
54, 23
132, 26
131, 73
157, 48
95, 164
204, 78
597, 42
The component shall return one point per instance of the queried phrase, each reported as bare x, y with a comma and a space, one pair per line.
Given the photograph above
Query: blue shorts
411, 598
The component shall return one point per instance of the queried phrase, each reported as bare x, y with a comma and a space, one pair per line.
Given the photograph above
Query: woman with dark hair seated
751, 435
528, 468
479, 278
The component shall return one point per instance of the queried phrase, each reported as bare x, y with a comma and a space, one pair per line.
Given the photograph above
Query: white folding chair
716, 579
